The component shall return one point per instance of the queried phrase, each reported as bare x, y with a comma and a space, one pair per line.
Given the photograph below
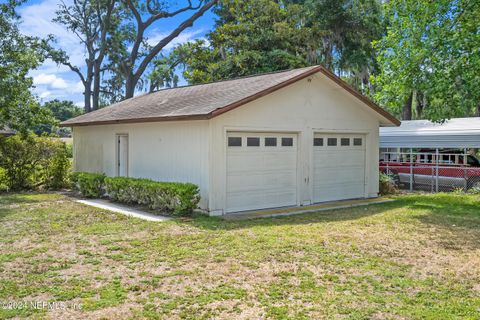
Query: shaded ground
417, 257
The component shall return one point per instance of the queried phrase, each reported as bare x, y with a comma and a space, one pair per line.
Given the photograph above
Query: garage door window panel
332, 142
345, 142
270, 142
318, 142
234, 141
253, 142
357, 142
287, 142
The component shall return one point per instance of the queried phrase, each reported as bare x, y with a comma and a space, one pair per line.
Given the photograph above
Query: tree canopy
430, 58
19, 108
256, 36
60, 110
418, 59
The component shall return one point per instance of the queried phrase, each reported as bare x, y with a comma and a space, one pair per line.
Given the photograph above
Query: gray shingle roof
193, 102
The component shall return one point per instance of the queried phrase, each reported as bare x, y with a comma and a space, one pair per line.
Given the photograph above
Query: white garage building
289, 138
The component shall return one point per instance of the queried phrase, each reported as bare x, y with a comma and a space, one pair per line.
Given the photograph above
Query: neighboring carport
437, 156
459, 133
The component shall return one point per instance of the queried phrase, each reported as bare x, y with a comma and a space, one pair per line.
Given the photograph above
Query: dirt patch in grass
418, 257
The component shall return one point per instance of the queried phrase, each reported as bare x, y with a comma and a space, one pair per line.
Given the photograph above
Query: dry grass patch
417, 257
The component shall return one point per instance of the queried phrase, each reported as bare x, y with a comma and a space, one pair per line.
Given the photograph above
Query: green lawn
417, 257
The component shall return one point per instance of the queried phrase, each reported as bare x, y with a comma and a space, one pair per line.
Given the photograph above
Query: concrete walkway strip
334, 205
128, 211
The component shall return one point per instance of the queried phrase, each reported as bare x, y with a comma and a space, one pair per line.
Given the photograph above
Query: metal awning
453, 133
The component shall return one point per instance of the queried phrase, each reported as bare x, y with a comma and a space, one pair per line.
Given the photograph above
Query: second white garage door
261, 170
338, 167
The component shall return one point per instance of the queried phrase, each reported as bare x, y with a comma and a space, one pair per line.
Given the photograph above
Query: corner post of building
465, 162
411, 169
437, 156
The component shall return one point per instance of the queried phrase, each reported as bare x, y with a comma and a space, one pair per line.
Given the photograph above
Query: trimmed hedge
90, 185
170, 197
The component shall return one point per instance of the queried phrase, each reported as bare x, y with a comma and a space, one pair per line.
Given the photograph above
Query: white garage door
261, 170
339, 167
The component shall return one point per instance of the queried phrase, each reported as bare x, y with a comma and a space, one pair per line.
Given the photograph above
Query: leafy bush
69, 147
56, 172
31, 162
3, 179
474, 190
174, 198
90, 185
386, 184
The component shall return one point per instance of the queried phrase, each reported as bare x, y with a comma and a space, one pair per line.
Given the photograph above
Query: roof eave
137, 120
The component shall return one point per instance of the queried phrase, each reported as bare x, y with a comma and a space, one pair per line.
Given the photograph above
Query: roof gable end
206, 101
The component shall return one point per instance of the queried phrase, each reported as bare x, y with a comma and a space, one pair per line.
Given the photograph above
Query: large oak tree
253, 36
93, 22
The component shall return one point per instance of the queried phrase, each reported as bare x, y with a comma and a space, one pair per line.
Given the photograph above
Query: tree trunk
88, 86
96, 85
87, 94
407, 108
478, 109
328, 55
130, 84
420, 104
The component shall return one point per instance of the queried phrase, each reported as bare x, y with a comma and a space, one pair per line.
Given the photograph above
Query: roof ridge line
233, 79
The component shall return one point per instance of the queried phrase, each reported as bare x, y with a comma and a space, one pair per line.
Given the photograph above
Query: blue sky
58, 82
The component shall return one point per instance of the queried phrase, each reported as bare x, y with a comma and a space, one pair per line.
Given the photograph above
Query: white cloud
37, 21
79, 88
59, 83
80, 104
50, 80
52, 86
45, 94
186, 36
53, 81
43, 78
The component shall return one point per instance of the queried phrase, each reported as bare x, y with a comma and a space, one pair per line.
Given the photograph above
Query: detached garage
289, 138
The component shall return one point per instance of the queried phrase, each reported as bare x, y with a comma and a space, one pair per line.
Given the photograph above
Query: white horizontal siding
162, 151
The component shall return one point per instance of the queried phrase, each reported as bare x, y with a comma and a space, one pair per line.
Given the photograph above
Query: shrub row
170, 197
90, 185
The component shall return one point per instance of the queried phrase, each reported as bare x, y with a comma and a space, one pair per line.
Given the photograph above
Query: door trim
117, 155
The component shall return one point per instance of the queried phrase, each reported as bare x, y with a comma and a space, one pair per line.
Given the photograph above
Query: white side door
261, 170
338, 167
122, 155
